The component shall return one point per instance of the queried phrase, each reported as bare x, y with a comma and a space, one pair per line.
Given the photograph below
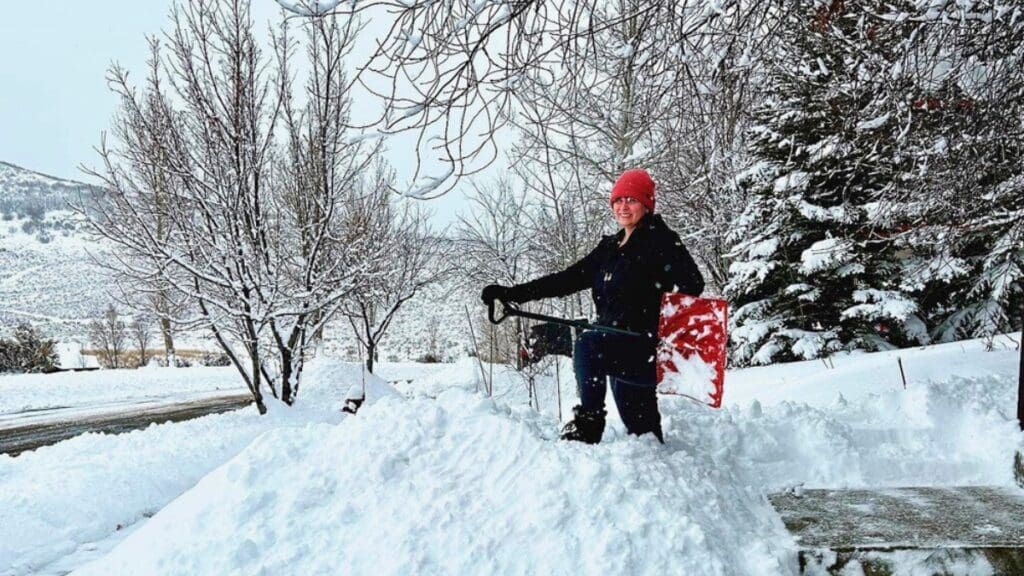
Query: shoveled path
943, 527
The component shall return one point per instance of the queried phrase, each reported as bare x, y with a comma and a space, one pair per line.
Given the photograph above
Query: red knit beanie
635, 183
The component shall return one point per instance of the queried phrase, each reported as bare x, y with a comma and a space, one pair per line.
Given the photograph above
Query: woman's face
628, 211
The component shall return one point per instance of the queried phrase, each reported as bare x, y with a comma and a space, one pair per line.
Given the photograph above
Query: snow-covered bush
27, 351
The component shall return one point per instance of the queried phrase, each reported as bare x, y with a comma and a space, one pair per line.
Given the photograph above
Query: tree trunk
287, 393
371, 350
165, 330
257, 396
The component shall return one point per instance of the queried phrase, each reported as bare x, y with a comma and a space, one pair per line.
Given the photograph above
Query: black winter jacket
626, 282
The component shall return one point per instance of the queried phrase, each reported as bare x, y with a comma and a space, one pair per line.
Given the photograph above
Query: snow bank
67, 502
450, 482
442, 480
459, 485
57, 499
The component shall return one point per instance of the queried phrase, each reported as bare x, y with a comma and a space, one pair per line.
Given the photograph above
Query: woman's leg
589, 363
633, 376
638, 407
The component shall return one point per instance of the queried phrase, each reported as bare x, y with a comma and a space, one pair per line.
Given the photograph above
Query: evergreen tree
814, 269
964, 211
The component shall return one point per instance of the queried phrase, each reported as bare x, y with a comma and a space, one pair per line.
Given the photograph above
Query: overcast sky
54, 101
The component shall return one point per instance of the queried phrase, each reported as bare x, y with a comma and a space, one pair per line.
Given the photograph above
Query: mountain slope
25, 191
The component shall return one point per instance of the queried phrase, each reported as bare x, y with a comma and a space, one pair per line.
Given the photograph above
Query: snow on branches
892, 196
223, 192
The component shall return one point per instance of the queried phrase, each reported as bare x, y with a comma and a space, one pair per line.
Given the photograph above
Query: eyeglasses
628, 200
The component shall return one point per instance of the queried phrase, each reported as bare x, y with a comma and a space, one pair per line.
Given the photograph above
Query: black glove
494, 292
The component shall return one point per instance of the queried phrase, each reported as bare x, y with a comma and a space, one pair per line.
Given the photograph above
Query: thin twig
472, 337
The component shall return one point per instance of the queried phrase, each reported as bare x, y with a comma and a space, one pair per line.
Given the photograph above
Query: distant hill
48, 276
28, 193
50, 279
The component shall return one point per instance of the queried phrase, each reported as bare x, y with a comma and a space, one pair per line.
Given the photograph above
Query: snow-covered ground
108, 388
439, 479
105, 390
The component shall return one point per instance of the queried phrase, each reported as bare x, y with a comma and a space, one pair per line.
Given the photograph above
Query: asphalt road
33, 430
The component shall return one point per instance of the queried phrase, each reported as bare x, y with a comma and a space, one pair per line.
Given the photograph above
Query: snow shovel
691, 343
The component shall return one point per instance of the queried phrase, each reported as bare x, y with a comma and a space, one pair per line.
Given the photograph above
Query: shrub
214, 359
109, 337
27, 352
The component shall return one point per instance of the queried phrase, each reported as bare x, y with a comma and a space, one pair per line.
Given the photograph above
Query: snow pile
443, 480
64, 503
58, 499
451, 482
459, 485
850, 423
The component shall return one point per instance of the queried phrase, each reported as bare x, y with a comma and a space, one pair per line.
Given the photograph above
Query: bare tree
456, 72
494, 246
141, 335
260, 274
591, 86
493, 240
149, 295
637, 98
109, 337
568, 216
413, 257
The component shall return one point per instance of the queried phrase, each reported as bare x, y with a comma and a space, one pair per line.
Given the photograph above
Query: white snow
880, 304
69, 355
441, 479
693, 377
821, 214
752, 270
825, 255
791, 182
873, 123
36, 392
309, 8
69, 500
763, 249
427, 185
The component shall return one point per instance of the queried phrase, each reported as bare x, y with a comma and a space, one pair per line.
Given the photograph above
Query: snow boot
586, 426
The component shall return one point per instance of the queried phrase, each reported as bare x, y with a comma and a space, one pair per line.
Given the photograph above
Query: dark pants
629, 363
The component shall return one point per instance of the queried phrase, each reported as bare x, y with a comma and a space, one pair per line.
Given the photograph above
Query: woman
627, 274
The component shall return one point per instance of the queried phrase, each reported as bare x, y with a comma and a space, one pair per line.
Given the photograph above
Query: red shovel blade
691, 347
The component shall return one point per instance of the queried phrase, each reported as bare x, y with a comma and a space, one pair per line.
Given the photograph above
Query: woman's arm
579, 276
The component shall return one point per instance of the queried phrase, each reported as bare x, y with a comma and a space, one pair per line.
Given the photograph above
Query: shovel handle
508, 309
491, 310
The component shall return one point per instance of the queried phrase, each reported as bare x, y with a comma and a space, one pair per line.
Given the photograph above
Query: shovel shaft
510, 310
